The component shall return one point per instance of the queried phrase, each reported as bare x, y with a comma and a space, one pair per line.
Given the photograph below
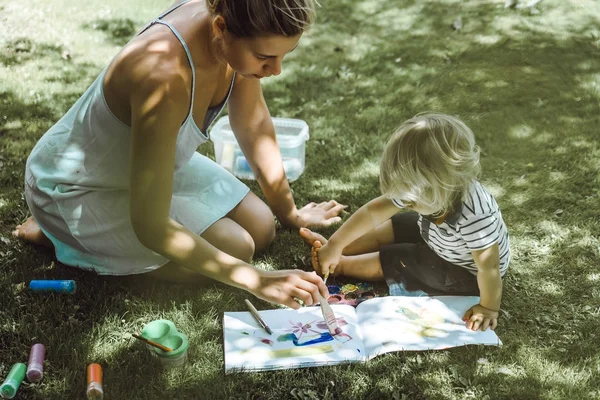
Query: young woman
117, 187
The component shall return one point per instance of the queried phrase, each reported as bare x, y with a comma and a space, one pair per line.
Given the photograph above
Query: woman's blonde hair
430, 160
251, 18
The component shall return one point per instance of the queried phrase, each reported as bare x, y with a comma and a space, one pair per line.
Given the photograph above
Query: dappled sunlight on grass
368, 169
551, 288
528, 86
594, 277
110, 337
517, 199
335, 185
495, 189
554, 230
521, 131
552, 372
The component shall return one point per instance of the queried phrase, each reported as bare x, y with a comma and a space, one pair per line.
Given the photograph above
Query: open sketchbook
380, 325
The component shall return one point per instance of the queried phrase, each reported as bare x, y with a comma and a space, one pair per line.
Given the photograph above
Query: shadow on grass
23, 50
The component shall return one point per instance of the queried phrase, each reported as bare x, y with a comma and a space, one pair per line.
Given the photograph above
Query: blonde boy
452, 241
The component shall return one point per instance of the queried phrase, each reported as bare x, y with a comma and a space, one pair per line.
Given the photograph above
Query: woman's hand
320, 215
288, 286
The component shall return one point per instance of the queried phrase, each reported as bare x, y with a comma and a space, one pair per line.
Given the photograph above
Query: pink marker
35, 366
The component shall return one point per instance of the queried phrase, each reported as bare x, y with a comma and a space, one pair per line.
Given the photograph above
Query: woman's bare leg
248, 227
372, 241
30, 231
227, 236
256, 218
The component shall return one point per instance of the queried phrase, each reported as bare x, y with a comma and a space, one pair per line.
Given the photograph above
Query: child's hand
479, 316
325, 258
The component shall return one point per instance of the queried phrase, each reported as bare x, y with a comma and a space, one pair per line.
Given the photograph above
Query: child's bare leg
362, 267
368, 243
30, 231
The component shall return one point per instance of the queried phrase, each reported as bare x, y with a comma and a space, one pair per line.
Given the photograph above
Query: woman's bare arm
158, 108
254, 130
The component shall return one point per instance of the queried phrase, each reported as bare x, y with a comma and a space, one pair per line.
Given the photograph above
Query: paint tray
350, 294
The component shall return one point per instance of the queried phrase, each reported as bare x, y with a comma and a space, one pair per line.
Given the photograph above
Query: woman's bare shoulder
150, 61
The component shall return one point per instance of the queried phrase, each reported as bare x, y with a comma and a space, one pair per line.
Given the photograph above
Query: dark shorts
411, 262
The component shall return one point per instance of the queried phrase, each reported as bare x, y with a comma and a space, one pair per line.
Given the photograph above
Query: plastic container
292, 135
178, 343
157, 330
164, 332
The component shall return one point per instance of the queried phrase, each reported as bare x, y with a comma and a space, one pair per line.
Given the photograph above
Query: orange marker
94, 382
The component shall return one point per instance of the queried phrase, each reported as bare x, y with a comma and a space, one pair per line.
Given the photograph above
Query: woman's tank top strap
176, 6
149, 24
189, 57
185, 47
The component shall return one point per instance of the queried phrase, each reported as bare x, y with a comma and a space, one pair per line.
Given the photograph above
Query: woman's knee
257, 219
230, 237
265, 235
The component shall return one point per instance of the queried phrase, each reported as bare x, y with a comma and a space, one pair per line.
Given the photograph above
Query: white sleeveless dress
77, 184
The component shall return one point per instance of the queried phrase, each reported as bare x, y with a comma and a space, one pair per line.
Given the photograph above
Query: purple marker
66, 286
35, 366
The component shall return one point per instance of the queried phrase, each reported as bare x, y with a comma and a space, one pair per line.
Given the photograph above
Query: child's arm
365, 219
255, 133
490, 290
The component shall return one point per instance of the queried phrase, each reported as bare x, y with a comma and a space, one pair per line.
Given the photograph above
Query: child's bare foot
315, 260
30, 232
311, 237
316, 245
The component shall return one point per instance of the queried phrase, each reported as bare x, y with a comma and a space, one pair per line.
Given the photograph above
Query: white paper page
300, 339
397, 323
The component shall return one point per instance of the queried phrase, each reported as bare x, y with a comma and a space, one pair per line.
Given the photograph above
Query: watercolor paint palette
350, 294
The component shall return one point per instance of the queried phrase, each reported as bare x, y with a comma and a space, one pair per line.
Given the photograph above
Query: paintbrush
152, 343
329, 317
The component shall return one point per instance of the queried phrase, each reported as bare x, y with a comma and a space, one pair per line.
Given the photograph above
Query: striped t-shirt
476, 225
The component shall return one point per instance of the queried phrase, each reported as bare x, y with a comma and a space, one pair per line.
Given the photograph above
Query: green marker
11, 384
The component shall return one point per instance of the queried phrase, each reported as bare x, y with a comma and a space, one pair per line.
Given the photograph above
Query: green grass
527, 84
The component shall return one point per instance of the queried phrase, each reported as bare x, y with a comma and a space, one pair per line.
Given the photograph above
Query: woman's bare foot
310, 237
30, 232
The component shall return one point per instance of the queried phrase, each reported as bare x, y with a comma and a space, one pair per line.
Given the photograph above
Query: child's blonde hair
251, 18
430, 160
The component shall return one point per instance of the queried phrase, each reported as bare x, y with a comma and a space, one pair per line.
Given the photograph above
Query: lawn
527, 81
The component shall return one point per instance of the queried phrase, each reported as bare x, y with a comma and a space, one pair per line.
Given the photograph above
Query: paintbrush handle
329, 316
152, 343
257, 317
